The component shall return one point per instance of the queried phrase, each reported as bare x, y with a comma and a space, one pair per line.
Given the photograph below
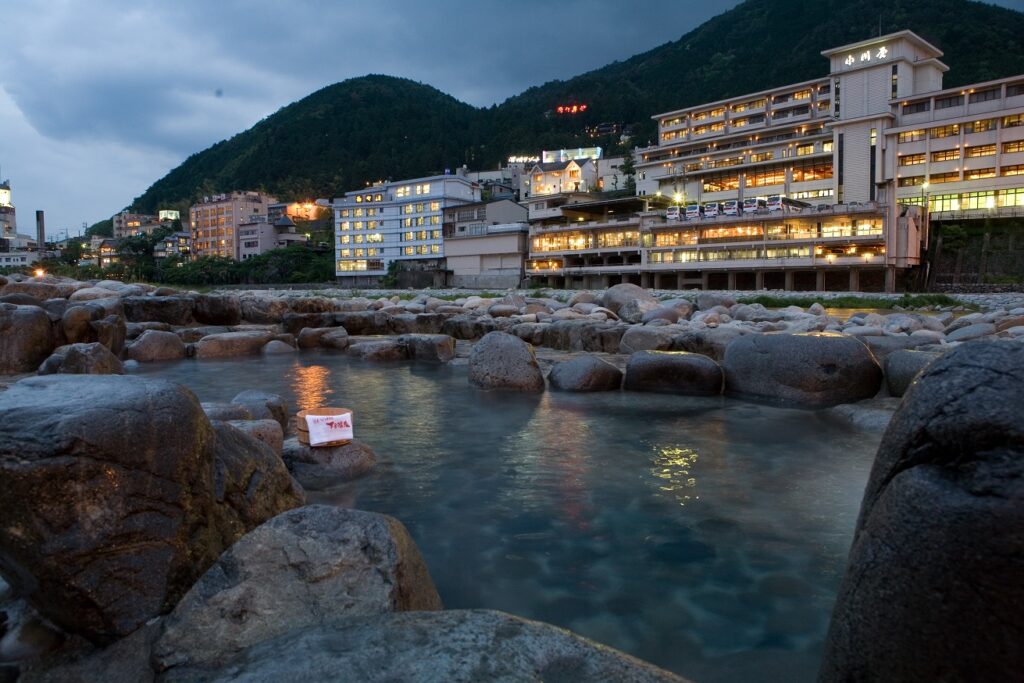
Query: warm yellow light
677, 197
867, 256
40, 272
830, 258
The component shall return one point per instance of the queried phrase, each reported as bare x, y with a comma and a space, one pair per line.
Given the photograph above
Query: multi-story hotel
395, 221
216, 218
814, 185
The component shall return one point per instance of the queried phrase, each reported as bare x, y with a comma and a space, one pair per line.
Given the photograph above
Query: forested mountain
375, 127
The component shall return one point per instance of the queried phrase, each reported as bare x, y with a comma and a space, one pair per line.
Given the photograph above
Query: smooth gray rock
674, 372
313, 566
111, 332
264, 310
226, 412
645, 338
217, 309
26, 338
124, 661
618, 295
708, 300
901, 367
383, 350
173, 310
230, 344
814, 370
439, 348
309, 337
40, 291
971, 332
76, 323
323, 466
502, 361
263, 405
82, 359
450, 646
635, 310
933, 590
663, 313
115, 503
154, 345
585, 373
275, 347
135, 330
709, 341
336, 339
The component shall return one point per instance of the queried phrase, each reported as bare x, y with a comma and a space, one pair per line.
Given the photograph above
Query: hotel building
814, 185
395, 221
215, 221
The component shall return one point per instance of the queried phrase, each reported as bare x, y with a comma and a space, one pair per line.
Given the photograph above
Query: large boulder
902, 367
320, 467
118, 493
26, 338
431, 347
173, 310
585, 373
502, 361
265, 430
673, 372
263, 405
153, 345
218, 309
264, 310
40, 291
314, 566
818, 369
82, 359
709, 341
615, 297
636, 310
110, 331
336, 339
933, 590
230, 344
645, 338
380, 350
453, 646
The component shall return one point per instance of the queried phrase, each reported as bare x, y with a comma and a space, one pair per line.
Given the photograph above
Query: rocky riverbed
144, 536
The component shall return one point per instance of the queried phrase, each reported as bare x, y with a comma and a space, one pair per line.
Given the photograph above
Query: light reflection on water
705, 535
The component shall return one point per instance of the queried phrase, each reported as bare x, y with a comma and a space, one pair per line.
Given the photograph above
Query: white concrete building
396, 221
215, 221
258, 235
829, 170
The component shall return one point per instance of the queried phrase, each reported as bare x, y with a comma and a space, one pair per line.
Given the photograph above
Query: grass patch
912, 301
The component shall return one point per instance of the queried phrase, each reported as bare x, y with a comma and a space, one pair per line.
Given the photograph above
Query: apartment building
485, 244
176, 244
259, 235
215, 221
396, 221
814, 185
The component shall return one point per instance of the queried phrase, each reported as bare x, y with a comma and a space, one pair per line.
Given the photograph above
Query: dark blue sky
100, 99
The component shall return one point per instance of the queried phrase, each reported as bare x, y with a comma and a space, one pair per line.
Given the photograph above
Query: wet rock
25, 635
309, 337
111, 332
708, 300
502, 361
26, 338
707, 341
154, 345
263, 405
872, 415
230, 344
438, 348
82, 359
663, 313
125, 661
383, 350
134, 330
89, 293
813, 370
901, 367
314, 566
265, 431
173, 310
226, 412
40, 291
644, 338
336, 339
460, 646
217, 309
275, 347
585, 373
323, 466
264, 310
502, 310
674, 372
932, 589
115, 503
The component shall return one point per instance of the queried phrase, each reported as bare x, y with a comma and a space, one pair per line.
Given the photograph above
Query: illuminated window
946, 155
1011, 197
775, 175
916, 107
763, 156
979, 173
435, 248
721, 182
951, 101
978, 200
804, 150
980, 126
944, 131
1015, 146
826, 146
911, 181
807, 171
1016, 169
419, 207
402, 192
983, 95
409, 251
980, 151
946, 177
408, 208
1013, 121
359, 199
378, 197
435, 206
911, 136
344, 239
359, 239
912, 159
435, 220
802, 95
435, 234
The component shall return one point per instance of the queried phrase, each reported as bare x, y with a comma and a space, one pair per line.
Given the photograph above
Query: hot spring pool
707, 536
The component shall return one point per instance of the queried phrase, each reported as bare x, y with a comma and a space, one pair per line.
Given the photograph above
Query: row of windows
954, 176
407, 190
360, 212
422, 249
421, 220
359, 252
969, 152
377, 197
967, 201
421, 235
954, 129
774, 175
420, 207
360, 225
953, 101
372, 238
361, 265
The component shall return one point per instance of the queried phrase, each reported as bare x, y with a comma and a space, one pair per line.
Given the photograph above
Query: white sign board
329, 428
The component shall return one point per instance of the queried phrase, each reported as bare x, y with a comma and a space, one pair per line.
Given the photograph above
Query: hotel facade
815, 185
395, 221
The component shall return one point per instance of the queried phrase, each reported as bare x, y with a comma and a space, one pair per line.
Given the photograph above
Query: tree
100, 229
628, 169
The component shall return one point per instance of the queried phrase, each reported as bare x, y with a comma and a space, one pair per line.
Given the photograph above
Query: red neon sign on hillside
570, 108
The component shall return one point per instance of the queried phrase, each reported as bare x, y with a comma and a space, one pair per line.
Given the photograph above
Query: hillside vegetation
374, 127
